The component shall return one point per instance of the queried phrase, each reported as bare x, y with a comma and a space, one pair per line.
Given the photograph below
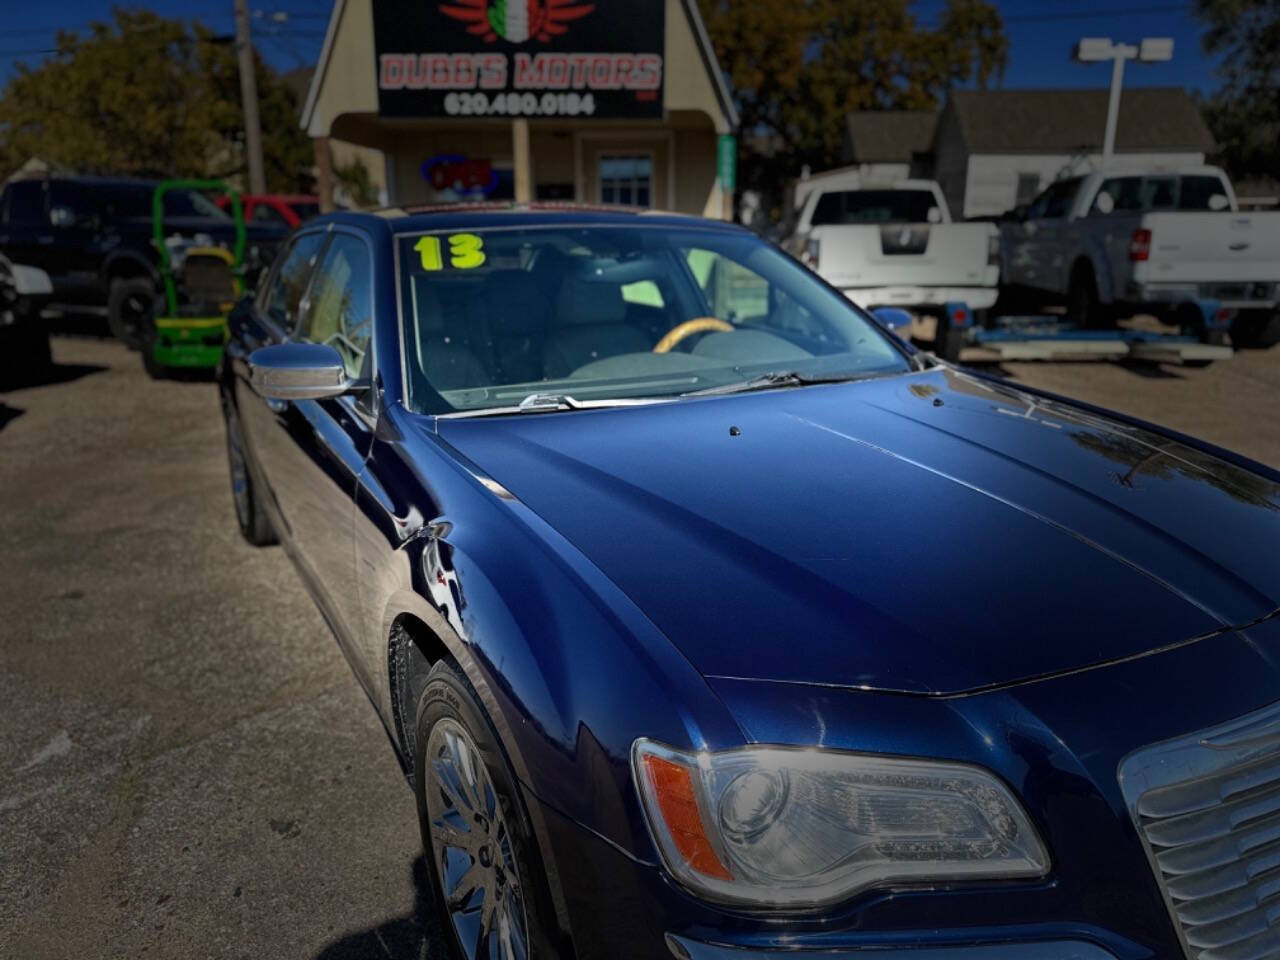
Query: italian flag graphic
510, 19
516, 20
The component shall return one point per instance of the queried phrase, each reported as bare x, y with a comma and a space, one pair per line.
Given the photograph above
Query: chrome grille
1208, 809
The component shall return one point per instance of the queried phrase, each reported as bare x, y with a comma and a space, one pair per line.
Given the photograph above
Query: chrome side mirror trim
298, 371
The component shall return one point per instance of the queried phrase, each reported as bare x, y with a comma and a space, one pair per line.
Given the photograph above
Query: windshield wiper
543, 402
776, 378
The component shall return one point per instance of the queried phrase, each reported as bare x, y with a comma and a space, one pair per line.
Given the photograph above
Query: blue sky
1041, 34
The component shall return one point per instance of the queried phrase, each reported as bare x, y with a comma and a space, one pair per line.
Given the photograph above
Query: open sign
465, 176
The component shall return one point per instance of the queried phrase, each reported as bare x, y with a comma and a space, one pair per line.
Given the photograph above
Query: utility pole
249, 100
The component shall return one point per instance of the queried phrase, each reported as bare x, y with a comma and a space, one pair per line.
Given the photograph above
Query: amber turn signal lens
673, 788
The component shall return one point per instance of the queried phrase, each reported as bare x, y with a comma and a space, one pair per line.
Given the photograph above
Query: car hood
925, 533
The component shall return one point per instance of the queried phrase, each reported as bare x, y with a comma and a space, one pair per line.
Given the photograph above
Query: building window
626, 178
1028, 187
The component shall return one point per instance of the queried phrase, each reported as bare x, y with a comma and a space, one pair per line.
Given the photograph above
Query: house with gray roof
993, 149
889, 144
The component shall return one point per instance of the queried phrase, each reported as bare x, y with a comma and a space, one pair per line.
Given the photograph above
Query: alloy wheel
472, 847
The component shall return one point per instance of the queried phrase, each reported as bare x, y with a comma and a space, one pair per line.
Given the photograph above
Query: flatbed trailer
1050, 337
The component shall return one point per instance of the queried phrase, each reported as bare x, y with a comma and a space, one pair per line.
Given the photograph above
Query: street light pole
1097, 49
249, 100
1113, 103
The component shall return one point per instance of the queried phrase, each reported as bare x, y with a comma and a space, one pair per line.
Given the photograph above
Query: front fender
569, 669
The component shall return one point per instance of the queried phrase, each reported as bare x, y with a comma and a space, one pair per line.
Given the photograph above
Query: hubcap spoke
462, 898
446, 834
451, 787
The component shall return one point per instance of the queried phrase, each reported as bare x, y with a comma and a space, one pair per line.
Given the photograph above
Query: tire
471, 871
254, 524
1083, 307
1256, 329
131, 310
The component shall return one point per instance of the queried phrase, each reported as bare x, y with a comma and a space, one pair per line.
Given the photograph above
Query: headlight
776, 826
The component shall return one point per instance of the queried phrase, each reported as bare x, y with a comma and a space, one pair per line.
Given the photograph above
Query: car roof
476, 216
101, 181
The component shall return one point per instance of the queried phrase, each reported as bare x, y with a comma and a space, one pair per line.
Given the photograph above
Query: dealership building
595, 101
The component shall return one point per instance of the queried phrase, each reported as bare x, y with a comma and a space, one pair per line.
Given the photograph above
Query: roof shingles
890, 136
1073, 121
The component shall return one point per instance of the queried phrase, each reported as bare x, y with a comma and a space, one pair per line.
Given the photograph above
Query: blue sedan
709, 621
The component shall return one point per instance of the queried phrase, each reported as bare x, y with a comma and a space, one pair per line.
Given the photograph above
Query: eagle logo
516, 20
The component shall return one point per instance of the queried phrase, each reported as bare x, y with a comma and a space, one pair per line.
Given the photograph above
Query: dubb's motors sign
519, 58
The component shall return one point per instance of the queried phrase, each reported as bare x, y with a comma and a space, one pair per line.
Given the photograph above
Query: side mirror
298, 371
934, 215
1219, 202
895, 318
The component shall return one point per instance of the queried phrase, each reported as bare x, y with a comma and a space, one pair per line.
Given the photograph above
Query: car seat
516, 315
446, 363
589, 325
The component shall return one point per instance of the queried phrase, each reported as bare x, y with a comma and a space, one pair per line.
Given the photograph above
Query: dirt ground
189, 768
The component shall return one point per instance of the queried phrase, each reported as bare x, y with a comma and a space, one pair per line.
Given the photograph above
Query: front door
318, 447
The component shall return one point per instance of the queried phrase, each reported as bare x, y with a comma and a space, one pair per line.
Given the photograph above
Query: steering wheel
688, 328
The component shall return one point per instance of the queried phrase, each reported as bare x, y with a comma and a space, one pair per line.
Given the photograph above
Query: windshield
612, 313
1169, 192
872, 206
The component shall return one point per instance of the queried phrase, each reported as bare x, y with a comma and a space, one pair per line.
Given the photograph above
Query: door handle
276, 406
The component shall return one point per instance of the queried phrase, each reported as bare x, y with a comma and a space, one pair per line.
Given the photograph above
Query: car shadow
48, 376
1150, 371
93, 326
191, 374
8, 414
418, 936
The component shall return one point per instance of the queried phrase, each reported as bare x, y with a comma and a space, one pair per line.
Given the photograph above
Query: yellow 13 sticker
466, 252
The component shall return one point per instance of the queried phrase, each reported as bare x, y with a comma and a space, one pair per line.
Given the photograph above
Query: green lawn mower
200, 283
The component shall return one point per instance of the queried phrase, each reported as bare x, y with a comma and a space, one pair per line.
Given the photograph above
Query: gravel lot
189, 769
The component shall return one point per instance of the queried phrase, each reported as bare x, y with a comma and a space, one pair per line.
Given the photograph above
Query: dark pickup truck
93, 237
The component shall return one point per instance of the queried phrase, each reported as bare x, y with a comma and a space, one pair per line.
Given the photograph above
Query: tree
1244, 115
797, 67
150, 96
355, 183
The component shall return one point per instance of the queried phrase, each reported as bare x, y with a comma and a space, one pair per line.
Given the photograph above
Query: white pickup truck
893, 244
1112, 244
